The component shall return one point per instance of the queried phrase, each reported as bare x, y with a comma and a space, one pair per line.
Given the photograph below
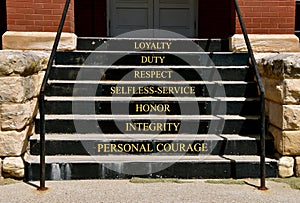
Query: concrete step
161, 58
124, 167
152, 124
151, 73
142, 144
127, 44
152, 105
152, 88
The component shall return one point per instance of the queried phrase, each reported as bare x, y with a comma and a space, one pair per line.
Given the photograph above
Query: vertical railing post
42, 99
263, 145
42, 143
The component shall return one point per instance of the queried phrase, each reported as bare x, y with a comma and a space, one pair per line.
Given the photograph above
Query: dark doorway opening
90, 18
3, 20
216, 18
297, 25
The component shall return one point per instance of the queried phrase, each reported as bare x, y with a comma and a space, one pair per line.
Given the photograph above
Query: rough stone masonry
281, 78
21, 75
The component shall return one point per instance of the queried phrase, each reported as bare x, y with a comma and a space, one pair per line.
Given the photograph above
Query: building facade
32, 25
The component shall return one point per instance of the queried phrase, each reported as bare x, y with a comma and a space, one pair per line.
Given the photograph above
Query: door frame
196, 17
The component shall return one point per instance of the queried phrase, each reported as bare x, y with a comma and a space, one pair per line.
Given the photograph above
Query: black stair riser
209, 45
164, 107
90, 147
242, 127
128, 74
184, 170
201, 90
196, 59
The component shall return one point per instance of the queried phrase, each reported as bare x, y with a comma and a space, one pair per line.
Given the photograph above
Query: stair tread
154, 117
141, 137
153, 52
177, 99
144, 158
141, 82
150, 38
150, 67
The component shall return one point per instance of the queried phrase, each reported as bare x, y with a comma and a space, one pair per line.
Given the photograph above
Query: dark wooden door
3, 22
177, 16
90, 18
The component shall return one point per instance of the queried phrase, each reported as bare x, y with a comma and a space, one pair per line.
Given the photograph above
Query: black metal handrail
42, 97
262, 97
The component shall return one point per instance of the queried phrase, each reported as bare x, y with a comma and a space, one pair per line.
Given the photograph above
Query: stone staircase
176, 108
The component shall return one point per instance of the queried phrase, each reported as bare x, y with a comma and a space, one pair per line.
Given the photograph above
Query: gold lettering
182, 147
134, 147
144, 59
167, 147
152, 74
130, 127
142, 148
152, 45
113, 148
173, 147
147, 147
152, 127
128, 148
158, 147
100, 147
148, 108
113, 90
135, 45
120, 148
106, 148
176, 125
192, 90
152, 59
150, 90
190, 148
205, 147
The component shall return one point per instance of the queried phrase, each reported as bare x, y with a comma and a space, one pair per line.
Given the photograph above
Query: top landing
154, 44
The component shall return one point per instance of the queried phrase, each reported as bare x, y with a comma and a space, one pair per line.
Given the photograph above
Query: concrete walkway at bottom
125, 191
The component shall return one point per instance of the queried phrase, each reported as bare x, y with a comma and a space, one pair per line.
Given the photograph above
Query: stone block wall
21, 75
281, 78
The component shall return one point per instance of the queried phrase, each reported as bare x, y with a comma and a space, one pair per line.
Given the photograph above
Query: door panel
173, 15
176, 16
129, 15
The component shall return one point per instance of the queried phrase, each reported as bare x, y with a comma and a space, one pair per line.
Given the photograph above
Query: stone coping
266, 43
37, 41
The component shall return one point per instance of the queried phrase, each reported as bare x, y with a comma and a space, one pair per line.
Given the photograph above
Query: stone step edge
124, 53
144, 137
145, 117
150, 99
152, 39
144, 159
149, 67
149, 82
